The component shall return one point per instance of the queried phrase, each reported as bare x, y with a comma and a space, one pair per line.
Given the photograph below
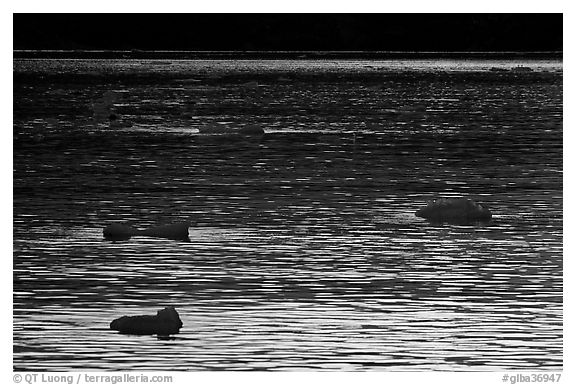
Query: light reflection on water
305, 253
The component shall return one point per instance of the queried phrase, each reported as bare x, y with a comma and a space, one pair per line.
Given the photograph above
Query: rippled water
305, 253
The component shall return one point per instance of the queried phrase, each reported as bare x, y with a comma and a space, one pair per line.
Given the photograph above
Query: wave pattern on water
304, 250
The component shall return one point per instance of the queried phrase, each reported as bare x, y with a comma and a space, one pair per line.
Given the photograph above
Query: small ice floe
103, 110
115, 121
122, 232
166, 321
250, 130
455, 210
498, 69
375, 87
102, 107
251, 84
215, 129
522, 69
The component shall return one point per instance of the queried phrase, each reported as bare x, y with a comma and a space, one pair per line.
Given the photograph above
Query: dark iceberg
455, 210
165, 322
121, 232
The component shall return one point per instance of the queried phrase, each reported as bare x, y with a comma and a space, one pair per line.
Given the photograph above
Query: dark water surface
305, 253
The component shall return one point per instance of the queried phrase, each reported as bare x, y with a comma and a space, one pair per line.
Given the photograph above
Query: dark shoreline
280, 55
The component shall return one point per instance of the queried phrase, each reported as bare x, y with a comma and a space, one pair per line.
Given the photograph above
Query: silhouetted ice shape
251, 130
215, 129
522, 69
165, 322
121, 232
102, 108
248, 131
454, 210
251, 84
